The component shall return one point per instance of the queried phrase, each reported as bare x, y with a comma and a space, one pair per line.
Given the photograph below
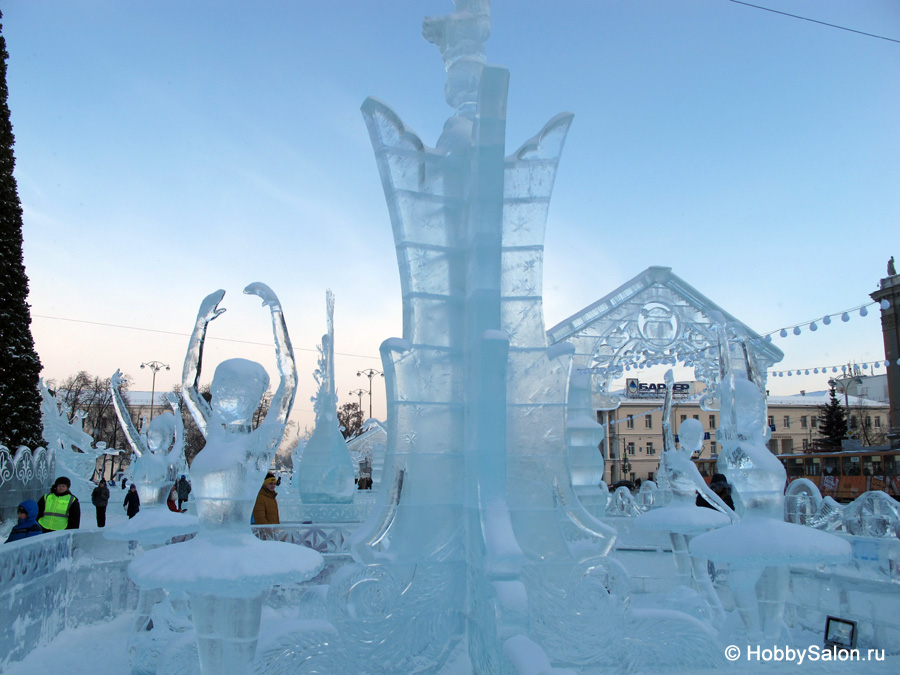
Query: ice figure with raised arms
158, 457
761, 547
324, 474
225, 568
681, 517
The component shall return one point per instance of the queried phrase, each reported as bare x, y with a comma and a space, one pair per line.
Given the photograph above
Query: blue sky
166, 149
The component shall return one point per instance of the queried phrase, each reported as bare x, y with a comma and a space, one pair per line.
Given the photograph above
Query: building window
853, 421
683, 418
814, 422
629, 422
697, 417
630, 448
804, 422
712, 421
877, 421
787, 446
868, 422
650, 449
648, 421
771, 420
712, 449
806, 444
787, 422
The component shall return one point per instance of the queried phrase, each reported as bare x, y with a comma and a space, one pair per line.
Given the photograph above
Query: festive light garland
814, 326
826, 320
834, 369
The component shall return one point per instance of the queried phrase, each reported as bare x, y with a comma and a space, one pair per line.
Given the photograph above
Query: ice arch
655, 318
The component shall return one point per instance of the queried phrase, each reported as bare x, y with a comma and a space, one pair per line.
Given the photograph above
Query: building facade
634, 439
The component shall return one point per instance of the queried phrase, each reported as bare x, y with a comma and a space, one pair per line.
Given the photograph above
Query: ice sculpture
325, 472
225, 568
655, 318
158, 456
681, 517
481, 538
75, 456
761, 547
872, 514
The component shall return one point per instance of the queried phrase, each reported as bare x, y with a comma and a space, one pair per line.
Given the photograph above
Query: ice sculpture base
153, 526
239, 565
687, 519
766, 541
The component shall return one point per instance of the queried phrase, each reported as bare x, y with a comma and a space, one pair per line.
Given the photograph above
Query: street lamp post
360, 393
155, 366
370, 373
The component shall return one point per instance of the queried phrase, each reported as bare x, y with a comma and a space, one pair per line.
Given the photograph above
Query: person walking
59, 510
265, 512
27, 525
100, 500
184, 489
132, 501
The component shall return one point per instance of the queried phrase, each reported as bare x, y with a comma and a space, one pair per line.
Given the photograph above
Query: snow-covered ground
102, 649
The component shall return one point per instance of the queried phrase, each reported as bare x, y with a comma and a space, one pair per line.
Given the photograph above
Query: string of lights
812, 326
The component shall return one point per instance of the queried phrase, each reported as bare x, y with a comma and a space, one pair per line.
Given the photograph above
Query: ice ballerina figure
225, 568
681, 517
160, 453
761, 547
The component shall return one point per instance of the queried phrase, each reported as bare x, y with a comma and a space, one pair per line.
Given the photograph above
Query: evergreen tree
832, 423
20, 367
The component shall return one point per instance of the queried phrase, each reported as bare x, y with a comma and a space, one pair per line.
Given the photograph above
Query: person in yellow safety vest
60, 509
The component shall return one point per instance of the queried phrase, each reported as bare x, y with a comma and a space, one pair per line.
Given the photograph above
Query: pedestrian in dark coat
719, 484
100, 500
184, 489
132, 502
28, 524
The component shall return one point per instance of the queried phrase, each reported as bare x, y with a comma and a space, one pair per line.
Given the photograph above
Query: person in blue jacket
28, 525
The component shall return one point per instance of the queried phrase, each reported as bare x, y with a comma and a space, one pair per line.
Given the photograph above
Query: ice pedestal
683, 522
759, 552
224, 574
151, 527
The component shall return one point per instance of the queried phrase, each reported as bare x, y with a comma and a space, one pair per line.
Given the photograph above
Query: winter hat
718, 479
270, 478
62, 480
